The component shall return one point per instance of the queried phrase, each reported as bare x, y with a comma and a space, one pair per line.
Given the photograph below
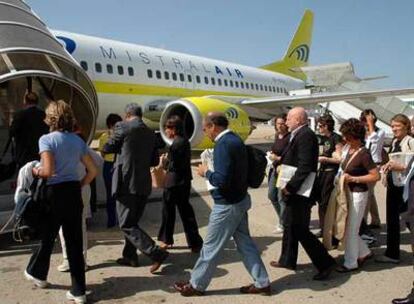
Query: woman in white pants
359, 170
86, 213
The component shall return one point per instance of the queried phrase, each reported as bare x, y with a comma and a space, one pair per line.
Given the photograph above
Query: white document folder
286, 173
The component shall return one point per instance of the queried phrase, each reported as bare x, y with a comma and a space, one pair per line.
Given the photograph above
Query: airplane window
98, 67
130, 71
120, 70
206, 80
273, 88
213, 81
246, 84
158, 74
225, 82
166, 75
284, 89
190, 79
182, 77
261, 87
242, 85
219, 81
231, 83
174, 76
252, 85
109, 68
84, 65
265, 87
257, 87
149, 73
198, 79
237, 84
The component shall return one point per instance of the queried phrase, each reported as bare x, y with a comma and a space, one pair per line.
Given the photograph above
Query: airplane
116, 73
98, 76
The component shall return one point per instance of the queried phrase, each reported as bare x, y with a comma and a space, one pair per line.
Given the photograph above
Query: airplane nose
32, 59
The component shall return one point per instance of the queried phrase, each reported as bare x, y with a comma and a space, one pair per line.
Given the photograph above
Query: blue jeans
275, 197
226, 221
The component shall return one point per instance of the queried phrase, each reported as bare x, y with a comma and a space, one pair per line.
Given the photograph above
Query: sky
375, 35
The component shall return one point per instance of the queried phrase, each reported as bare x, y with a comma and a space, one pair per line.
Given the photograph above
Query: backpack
256, 164
29, 211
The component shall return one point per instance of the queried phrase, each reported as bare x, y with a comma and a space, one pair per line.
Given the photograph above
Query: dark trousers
110, 199
130, 208
179, 196
65, 203
93, 199
296, 230
394, 200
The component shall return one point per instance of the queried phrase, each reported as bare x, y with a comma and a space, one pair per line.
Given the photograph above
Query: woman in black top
280, 143
177, 188
358, 170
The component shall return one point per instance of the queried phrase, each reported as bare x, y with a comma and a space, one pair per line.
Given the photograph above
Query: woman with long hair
60, 153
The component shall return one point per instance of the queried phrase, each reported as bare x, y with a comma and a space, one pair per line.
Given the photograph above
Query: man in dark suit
302, 153
26, 128
135, 146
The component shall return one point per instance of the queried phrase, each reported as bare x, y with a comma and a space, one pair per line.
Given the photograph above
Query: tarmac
108, 282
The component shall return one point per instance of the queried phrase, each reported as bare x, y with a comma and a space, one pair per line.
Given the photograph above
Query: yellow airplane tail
297, 55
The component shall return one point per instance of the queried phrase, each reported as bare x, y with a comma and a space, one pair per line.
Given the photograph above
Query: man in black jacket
26, 128
135, 146
302, 153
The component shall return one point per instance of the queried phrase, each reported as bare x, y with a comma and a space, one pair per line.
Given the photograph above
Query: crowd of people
339, 172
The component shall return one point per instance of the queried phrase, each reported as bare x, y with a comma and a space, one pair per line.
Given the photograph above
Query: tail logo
301, 52
232, 113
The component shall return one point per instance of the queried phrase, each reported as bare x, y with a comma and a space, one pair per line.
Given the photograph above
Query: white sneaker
278, 229
76, 299
37, 282
64, 267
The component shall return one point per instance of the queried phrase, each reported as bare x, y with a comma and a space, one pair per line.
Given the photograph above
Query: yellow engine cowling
193, 109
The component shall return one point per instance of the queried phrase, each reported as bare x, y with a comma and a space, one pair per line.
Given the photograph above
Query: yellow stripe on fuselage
106, 87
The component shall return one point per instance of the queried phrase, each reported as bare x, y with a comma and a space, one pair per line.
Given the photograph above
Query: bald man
302, 153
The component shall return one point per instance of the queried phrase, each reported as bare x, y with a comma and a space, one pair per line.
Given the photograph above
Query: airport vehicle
99, 76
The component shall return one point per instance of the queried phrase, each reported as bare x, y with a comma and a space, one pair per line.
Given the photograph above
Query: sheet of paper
286, 173
207, 158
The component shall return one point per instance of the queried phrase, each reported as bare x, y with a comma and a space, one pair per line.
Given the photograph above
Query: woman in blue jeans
280, 143
60, 153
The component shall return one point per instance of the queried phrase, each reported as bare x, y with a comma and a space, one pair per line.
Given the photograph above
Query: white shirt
221, 134
293, 133
374, 143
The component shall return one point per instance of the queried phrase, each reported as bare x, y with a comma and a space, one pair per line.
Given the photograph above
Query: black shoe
324, 274
127, 262
407, 300
374, 226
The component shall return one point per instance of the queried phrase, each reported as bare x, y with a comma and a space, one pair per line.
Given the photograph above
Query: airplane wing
315, 98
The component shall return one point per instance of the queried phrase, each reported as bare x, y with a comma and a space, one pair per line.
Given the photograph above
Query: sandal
362, 260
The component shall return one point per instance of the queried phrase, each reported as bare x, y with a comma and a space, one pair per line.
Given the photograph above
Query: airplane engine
193, 110
33, 59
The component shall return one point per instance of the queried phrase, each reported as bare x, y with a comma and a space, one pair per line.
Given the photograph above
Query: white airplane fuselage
123, 73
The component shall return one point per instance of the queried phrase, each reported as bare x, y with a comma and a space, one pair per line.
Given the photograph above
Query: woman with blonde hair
404, 143
60, 153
